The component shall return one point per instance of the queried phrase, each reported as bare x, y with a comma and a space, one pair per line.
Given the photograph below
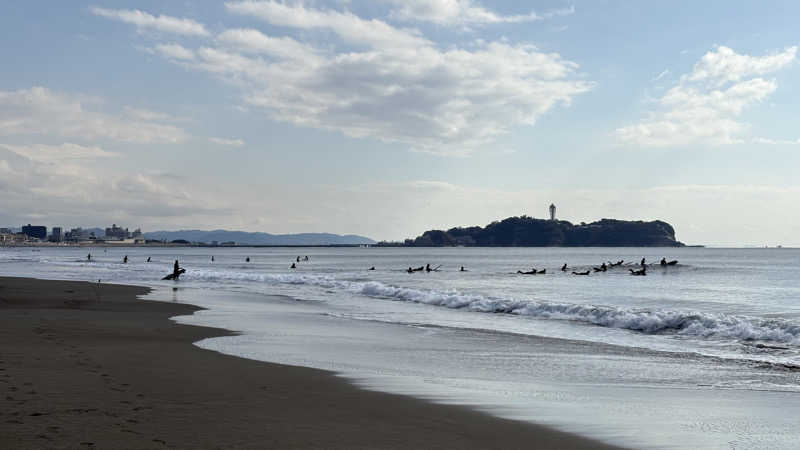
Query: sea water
700, 354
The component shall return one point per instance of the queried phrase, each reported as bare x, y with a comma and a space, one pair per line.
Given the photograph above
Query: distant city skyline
386, 119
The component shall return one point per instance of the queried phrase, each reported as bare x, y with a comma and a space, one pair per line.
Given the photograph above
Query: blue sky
386, 118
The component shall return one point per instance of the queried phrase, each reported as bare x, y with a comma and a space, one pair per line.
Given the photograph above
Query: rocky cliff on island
530, 232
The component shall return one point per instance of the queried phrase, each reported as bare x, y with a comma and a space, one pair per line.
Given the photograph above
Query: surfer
247, 259
148, 259
427, 267
305, 258
372, 268
293, 266
125, 260
176, 272
212, 258
564, 267
463, 269
643, 263
663, 261
89, 257
410, 270
298, 259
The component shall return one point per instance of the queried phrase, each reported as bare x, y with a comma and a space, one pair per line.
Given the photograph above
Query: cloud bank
40, 111
368, 78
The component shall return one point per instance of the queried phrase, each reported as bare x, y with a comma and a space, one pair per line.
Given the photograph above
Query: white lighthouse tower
552, 212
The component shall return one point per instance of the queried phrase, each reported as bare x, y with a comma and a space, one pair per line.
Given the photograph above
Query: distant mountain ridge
259, 238
527, 231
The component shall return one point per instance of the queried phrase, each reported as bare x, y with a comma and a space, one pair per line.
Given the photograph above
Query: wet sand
90, 366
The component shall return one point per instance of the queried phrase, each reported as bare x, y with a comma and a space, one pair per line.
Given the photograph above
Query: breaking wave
680, 323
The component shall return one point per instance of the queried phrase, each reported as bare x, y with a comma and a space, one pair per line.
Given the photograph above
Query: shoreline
96, 367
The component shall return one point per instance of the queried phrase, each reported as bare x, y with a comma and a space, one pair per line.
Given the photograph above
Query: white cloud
227, 142
144, 20
254, 41
661, 75
149, 115
346, 25
174, 51
724, 65
400, 88
767, 141
462, 12
40, 111
65, 151
705, 104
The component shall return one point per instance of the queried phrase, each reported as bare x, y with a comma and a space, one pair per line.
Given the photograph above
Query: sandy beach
88, 366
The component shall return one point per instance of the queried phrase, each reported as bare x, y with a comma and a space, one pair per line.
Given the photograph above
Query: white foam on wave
681, 323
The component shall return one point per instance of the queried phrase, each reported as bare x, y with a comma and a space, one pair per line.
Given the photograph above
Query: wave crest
682, 323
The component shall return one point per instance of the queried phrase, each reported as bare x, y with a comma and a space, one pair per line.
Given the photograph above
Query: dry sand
88, 366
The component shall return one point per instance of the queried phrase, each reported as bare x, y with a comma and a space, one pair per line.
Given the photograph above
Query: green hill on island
527, 231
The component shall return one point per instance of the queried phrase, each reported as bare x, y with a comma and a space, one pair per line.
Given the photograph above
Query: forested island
527, 231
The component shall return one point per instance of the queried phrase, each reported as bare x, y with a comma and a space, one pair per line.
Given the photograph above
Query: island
527, 231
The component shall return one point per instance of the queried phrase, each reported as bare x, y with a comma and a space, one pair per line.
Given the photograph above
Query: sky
386, 118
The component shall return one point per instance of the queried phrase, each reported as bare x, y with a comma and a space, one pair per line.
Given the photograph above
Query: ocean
703, 354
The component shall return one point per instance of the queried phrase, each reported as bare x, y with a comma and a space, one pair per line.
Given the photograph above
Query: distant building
552, 211
77, 235
6, 231
137, 234
12, 238
116, 233
56, 235
35, 231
